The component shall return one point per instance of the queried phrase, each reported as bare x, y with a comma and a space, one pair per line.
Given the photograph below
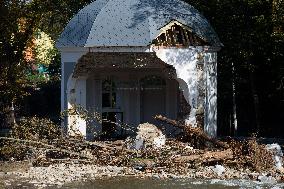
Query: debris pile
151, 153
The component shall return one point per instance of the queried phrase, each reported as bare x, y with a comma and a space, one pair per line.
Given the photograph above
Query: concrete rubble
148, 135
277, 155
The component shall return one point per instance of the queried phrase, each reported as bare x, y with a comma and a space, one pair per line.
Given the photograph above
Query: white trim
120, 49
73, 49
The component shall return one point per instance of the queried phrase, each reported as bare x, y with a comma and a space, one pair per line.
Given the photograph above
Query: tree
20, 21
16, 28
252, 34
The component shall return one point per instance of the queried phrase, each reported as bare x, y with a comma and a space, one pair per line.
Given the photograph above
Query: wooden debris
190, 131
175, 155
206, 157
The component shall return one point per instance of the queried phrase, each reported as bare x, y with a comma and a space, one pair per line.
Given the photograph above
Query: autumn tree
22, 23
16, 29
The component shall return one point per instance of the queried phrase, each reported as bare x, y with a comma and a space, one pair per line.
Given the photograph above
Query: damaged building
129, 60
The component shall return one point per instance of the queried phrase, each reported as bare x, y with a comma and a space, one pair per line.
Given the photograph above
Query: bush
35, 128
29, 129
13, 150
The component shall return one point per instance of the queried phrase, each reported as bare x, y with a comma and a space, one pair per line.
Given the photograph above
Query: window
108, 94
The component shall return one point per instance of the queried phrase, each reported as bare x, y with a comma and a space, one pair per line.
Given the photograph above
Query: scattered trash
160, 141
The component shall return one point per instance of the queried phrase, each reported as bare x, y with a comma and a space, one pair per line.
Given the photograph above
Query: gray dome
131, 23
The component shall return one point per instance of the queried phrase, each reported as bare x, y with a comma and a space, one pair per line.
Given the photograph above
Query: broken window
177, 35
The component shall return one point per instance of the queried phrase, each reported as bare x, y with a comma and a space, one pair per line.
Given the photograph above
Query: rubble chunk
148, 135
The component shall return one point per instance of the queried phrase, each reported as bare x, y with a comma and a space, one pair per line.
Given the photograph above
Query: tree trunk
255, 102
235, 120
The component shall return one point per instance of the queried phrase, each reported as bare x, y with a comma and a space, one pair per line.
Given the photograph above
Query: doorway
153, 98
112, 116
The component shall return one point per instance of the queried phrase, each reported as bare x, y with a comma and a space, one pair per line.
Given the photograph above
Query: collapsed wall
196, 71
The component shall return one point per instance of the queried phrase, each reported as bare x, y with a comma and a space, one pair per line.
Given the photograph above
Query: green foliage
36, 79
55, 14
44, 49
54, 68
20, 21
15, 32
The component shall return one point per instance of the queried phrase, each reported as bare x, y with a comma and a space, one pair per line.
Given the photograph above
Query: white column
168, 106
210, 122
76, 97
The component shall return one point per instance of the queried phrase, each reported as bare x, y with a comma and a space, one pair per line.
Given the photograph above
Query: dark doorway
108, 125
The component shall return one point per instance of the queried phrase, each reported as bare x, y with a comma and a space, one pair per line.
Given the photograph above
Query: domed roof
131, 23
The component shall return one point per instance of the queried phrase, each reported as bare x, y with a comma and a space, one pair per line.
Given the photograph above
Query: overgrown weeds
28, 129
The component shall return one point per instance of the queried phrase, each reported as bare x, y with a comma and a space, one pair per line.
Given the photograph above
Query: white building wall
69, 58
196, 69
185, 62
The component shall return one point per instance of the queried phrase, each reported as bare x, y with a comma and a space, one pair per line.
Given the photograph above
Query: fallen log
189, 131
207, 157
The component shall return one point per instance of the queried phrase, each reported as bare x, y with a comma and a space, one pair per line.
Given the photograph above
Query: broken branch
188, 130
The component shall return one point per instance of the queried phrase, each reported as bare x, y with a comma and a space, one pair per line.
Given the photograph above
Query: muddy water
132, 183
